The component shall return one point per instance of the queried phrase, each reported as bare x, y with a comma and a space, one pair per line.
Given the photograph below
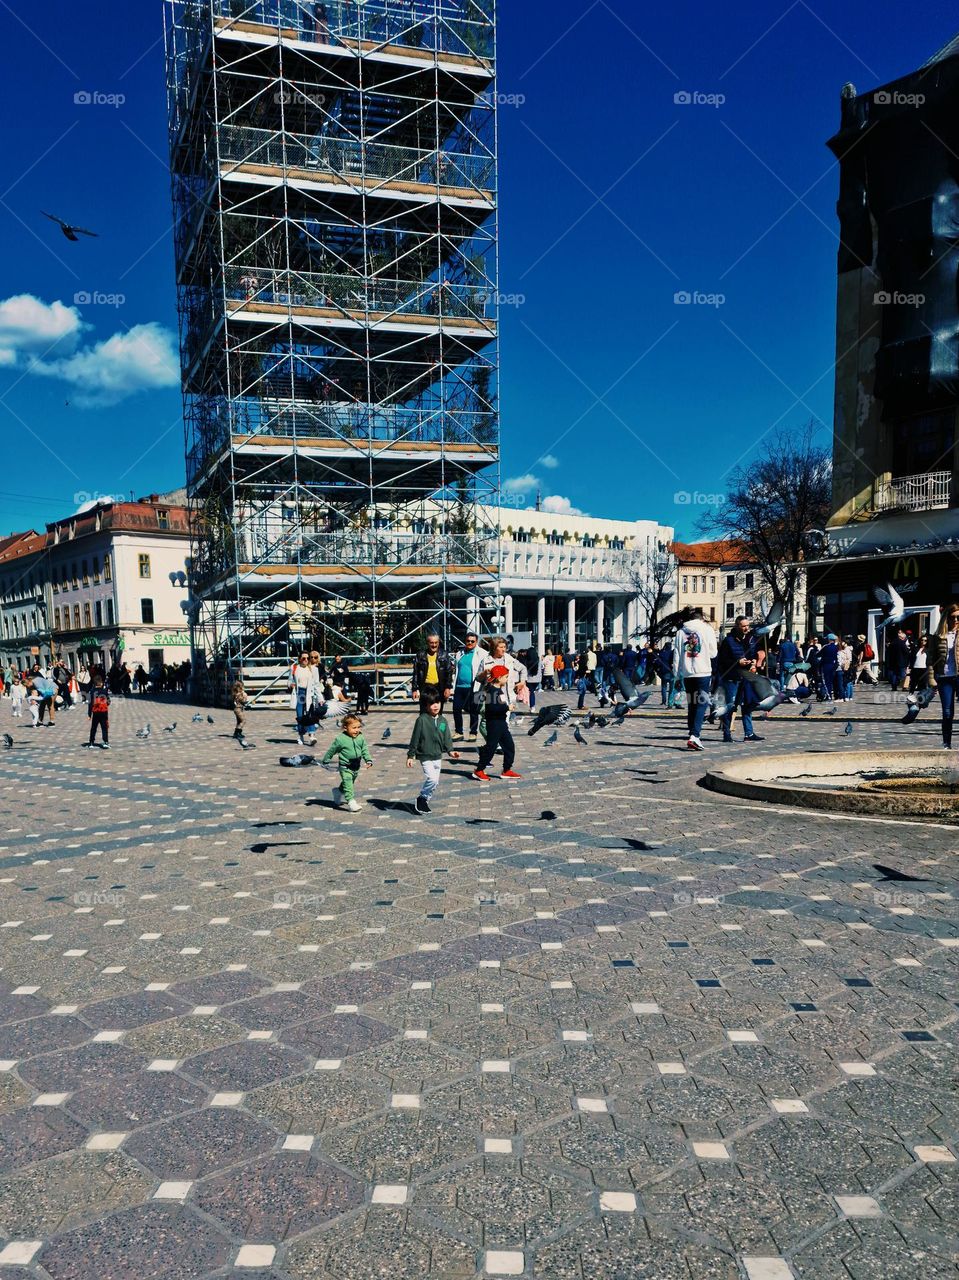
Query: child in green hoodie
431, 740
351, 749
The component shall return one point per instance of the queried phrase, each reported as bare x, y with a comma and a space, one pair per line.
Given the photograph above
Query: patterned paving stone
33, 1134
194, 1145
245, 1066
279, 1196
414, 1247
75, 1068
62, 1192
132, 1101
338, 1035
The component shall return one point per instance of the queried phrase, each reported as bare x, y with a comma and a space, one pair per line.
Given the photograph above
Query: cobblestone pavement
599, 1024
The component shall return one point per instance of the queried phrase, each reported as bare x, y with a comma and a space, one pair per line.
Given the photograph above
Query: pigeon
246, 746
197, 719
890, 873
554, 714
170, 728
912, 713
145, 731
210, 720
579, 737
831, 711
772, 620
848, 729
8, 740
387, 733
280, 822
547, 816
68, 229
297, 762
595, 721
917, 702
552, 740
806, 710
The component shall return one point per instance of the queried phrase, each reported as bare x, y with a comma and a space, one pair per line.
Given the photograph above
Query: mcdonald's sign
906, 573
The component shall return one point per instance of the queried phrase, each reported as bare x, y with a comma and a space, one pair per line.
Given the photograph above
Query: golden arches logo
906, 570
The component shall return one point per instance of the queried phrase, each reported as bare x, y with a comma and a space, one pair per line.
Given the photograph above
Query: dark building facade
895, 480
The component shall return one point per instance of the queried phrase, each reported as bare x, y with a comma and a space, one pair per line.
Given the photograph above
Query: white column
632, 618
508, 611
571, 624
541, 624
473, 613
619, 609
600, 618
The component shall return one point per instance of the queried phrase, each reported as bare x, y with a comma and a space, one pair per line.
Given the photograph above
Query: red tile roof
725, 552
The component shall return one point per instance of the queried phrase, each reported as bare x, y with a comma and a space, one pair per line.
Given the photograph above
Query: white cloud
28, 325
560, 506
520, 484
549, 461
142, 359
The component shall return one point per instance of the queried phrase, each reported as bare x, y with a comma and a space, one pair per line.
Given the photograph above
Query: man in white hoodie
697, 647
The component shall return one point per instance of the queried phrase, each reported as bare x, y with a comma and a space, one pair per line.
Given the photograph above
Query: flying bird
848, 729
579, 737
593, 720
916, 702
890, 873
145, 731
8, 740
387, 733
170, 728
772, 620
69, 230
554, 714
893, 606
552, 740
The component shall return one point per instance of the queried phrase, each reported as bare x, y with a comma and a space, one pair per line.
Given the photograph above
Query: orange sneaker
480, 775
510, 773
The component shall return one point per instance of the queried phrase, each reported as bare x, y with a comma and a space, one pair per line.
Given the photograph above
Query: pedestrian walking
497, 706
352, 752
943, 668
429, 742
738, 656
98, 711
240, 701
549, 671
697, 648
467, 687
432, 673
919, 672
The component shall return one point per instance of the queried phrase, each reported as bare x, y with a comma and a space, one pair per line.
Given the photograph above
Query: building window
144, 563
749, 581
923, 443
107, 569
556, 539
523, 535
617, 544
730, 611
163, 519
146, 610
748, 609
56, 618
87, 616
703, 587
685, 584
588, 541
109, 613
73, 575
66, 579
712, 586
98, 611
730, 582
712, 613
55, 585
85, 573
96, 568
76, 617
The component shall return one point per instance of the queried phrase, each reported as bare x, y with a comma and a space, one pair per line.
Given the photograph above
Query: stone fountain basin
904, 784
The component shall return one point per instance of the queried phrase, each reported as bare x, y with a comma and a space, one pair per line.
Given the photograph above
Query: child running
17, 695
497, 707
240, 699
98, 711
430, 741
351, 751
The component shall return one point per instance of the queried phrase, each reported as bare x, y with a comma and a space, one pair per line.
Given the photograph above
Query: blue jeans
947, 696
731, 690
667, 690
582, 684
463, 700
566, 678
697, 702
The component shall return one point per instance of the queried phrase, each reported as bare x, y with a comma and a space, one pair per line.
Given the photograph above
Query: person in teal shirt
467, 668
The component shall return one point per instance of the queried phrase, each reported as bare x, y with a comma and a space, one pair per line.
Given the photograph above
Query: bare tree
652, 580
771, 504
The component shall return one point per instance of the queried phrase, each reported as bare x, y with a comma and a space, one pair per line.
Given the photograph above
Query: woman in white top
697, 646
943, 667
549, 670
919, 674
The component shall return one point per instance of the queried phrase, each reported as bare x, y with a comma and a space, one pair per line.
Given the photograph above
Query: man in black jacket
738, 654
432, 673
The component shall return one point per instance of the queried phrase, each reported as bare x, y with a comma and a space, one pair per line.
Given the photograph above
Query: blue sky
614, 198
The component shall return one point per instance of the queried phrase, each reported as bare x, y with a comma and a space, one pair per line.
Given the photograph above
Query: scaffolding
334, 188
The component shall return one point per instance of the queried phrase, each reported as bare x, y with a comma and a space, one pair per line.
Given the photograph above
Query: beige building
719, 578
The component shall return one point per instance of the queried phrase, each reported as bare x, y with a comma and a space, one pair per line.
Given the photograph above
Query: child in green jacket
351, 749
430, 742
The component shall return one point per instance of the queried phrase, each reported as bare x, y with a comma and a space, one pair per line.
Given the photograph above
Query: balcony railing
363, 548
536, 560
924, 492
348, 158
395, 22
355, 294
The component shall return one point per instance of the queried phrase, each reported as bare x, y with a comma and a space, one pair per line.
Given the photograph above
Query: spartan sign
906, 573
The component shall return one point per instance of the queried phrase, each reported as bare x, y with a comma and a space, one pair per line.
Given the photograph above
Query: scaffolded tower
334, 190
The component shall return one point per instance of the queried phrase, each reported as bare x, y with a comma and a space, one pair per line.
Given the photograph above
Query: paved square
601, 1023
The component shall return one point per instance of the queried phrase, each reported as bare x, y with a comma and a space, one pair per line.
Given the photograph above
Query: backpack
100, 703
868, 652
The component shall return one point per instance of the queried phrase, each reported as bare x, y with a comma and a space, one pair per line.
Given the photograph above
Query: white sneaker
337, 796
353, 807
